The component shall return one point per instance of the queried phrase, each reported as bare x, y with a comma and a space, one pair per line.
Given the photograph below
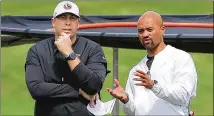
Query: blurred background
15, 98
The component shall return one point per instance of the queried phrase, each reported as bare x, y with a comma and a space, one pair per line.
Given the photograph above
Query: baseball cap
66, 7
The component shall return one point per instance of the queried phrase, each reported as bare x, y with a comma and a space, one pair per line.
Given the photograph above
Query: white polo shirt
176, 74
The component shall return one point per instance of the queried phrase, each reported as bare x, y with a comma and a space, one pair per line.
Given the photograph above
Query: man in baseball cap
62, 71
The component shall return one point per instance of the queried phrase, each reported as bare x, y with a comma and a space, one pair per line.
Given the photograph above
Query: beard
149, 46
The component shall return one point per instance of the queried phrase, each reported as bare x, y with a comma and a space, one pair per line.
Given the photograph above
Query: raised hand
118, 92
144, 79
64, 44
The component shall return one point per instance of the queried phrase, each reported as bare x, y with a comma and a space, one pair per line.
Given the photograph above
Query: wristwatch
71, 56
156, 88
155, 82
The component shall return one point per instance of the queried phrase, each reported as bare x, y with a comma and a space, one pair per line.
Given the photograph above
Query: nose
145, 34
68, 21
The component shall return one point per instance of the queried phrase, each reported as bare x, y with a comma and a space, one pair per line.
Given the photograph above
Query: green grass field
15, 99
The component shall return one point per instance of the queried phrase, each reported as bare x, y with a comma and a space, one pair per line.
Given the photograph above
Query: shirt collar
160, 54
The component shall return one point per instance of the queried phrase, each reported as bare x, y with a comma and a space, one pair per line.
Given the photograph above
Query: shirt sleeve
92, 75
35, 80
183, 88
129, 107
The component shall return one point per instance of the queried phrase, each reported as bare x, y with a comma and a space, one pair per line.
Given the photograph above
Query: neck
156, 50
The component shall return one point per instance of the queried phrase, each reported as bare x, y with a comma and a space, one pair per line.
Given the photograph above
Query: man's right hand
118, 92
63, 44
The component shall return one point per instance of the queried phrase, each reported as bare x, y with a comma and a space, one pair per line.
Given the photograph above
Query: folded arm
92, 75
35, 80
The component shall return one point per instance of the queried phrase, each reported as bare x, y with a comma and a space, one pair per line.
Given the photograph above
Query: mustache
146, 37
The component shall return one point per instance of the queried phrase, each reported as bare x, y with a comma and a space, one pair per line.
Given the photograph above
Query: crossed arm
39, 88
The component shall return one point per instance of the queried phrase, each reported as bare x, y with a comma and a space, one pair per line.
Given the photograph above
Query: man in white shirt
164, 81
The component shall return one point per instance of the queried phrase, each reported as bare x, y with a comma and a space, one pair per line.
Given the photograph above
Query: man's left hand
144, 79
91, 98
64, 44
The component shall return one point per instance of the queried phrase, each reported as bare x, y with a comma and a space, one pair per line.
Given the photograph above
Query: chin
149, 47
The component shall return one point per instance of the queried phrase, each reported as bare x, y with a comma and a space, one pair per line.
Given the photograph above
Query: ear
162, 30
53, 22
78, 24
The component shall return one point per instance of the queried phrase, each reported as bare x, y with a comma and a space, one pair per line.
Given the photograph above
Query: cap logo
67, 6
